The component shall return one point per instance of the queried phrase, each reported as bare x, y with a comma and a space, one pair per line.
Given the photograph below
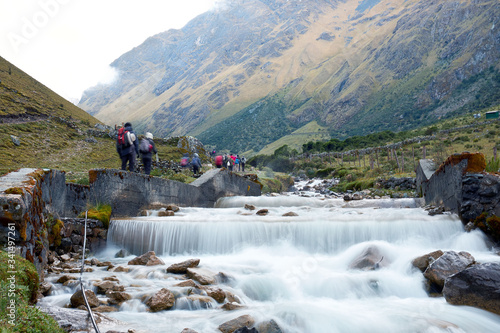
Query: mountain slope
251, 72
40, 129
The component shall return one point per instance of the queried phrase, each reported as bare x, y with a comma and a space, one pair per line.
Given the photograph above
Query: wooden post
495, 153
376, 154
359, 159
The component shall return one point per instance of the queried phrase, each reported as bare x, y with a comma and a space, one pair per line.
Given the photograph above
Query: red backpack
123, 138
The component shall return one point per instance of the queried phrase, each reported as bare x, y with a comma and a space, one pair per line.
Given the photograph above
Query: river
295, 269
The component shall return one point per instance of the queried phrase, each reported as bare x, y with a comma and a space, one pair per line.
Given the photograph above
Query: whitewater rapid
295, 269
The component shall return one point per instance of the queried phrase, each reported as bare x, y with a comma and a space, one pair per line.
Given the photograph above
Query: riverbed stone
445, 266
162, 300
262, 212
181, 268
478, 286
269, 326
147, 259
103, 287
202, 276
216, 293
77, 299
234, 324
117, 297
370, 259
423, 262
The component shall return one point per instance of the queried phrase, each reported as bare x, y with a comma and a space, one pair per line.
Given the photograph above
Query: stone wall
461, 186
36, 202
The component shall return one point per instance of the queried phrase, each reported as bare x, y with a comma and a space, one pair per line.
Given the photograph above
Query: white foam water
295, 269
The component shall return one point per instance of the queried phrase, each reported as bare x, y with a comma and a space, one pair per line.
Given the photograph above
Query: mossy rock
99, 212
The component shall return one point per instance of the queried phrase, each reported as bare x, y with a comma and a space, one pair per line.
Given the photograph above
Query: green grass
20, 296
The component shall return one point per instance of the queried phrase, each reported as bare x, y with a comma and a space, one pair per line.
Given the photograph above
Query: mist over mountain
252, 74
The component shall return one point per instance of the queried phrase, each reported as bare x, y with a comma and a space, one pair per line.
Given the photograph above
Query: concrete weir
32, 199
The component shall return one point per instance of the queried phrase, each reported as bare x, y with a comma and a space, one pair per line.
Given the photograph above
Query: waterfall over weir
295, 270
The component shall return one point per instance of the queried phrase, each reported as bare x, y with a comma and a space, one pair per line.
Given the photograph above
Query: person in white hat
147, 148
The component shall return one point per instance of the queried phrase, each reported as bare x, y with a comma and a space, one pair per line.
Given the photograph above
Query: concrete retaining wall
31, 200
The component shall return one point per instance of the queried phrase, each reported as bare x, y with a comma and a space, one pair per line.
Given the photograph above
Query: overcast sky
68, 44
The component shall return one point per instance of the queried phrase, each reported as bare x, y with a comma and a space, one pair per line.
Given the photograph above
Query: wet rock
270, 326
446, 265
163, 213
122, 254
121, 269
117, 297
181, 268
187, 283
424, 261
162, 300
173, 207
202, 276
246, 330
200, 301
72, 320
232, 306
262, 212
370, 259
291, 214
237, 323
216, 293
478, 286
249, 207
103, 287
188, 330
65, 278
147, 259
105, 308
77, 299
45, 288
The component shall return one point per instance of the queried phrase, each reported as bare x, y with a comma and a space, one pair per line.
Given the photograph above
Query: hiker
196, 164
237, 163
185, 161
127, 147
229, 163
218, 161
147, 149
242, 162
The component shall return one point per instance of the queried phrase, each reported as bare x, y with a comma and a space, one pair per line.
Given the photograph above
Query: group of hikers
130, 149
231, 162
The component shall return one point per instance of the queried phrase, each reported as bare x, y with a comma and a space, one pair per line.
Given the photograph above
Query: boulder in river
202, 276
147, 259
424, 261
370, 259
162, 300
181, 268
478, 286
77, 299
234, 324
445, 266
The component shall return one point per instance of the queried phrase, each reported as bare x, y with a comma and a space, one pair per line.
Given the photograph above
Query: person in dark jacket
196, 164
130, 150
148, 156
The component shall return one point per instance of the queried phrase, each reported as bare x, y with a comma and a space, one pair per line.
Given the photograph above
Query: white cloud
68, 44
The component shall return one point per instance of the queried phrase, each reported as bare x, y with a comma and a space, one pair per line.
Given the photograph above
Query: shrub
99, 212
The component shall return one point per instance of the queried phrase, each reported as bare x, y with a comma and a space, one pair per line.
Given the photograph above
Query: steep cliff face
253, 71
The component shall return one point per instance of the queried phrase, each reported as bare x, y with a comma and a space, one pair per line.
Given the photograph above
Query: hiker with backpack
147, 149
196, 164
185, 163
242, 162
127, 147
